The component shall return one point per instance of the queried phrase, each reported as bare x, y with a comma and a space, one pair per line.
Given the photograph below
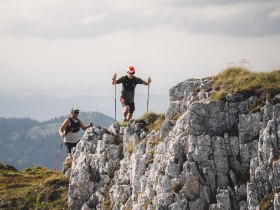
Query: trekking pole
115, 103
57, 158
148, 97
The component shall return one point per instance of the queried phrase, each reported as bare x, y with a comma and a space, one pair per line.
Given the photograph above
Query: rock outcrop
207, 155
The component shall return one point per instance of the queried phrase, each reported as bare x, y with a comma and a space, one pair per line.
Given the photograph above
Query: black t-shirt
128, 87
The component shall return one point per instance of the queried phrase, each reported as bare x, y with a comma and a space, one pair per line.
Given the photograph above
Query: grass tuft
154, 141
241, 80
108, 204
123, 124
176, 116
153, 120
130, 150
148, 203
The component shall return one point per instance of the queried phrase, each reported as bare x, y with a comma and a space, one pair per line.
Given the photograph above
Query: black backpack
73, 127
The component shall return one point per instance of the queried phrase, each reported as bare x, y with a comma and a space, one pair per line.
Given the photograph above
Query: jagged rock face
207, 155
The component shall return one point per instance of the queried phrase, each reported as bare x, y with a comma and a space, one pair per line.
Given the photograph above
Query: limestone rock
207, 155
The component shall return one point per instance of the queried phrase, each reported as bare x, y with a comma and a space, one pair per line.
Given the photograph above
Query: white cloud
61, 44
91, 19
275, 13
88, 18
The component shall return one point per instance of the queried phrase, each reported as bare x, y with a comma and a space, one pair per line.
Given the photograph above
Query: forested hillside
25, 142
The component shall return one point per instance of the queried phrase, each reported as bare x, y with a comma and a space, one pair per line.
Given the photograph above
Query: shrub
7, 167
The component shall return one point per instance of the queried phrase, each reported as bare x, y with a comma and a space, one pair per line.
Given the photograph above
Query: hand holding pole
114, 76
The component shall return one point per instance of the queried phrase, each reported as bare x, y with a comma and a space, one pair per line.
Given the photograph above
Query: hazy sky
73, 47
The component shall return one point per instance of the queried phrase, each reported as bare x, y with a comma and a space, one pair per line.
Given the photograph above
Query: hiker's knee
126, 109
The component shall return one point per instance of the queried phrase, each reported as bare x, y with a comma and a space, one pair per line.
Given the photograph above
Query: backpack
73, 127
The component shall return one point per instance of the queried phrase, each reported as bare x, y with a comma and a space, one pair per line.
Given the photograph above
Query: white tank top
71, 137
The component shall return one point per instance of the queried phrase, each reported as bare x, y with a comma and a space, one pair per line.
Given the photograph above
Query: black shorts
131, 105
69, 146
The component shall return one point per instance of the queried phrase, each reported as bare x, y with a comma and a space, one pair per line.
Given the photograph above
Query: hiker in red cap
129, 83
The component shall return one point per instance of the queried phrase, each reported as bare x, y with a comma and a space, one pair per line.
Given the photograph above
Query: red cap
131, 69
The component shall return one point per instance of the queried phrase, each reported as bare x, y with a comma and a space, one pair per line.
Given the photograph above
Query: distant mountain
43, 108
25, 142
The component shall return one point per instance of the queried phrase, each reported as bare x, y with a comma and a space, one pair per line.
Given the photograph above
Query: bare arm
85, 127
63, 127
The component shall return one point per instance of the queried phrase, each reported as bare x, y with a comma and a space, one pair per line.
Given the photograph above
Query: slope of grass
33, 188
241, 80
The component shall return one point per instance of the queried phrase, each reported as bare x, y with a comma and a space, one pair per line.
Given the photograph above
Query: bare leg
125, 112
129, 116
72, 153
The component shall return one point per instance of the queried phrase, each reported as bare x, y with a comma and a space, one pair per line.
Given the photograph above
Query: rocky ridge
207, 155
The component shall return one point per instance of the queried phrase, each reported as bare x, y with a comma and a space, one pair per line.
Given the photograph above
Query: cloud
91, 18
242, 19
275, 13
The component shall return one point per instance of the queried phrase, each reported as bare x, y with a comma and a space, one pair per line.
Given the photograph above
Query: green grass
241, 80
124, 123
153, 120
36, 188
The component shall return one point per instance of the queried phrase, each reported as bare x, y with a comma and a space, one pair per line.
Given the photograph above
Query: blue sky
70, 47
